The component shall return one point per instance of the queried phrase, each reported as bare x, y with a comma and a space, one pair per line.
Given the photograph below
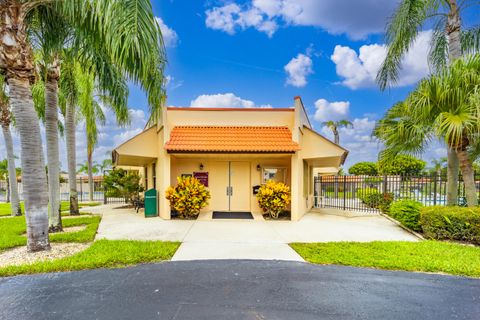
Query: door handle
231, 191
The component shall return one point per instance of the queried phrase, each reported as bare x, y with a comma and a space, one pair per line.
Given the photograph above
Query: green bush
364, 168
451, 223
404, 165
120, 183
407, 212
188, 197
370, 196
386, 202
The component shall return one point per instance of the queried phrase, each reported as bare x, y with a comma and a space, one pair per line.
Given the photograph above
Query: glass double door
230, 186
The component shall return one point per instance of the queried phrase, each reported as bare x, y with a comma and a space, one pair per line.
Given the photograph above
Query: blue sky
264, 52
235, 53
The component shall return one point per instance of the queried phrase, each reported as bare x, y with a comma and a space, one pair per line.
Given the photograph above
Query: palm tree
448, 44
105, 165
91, 112
127, 32
335, 125
48, 33
439, 164
5, 120
443, 106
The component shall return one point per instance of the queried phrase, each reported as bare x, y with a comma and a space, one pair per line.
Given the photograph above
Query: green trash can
151, 203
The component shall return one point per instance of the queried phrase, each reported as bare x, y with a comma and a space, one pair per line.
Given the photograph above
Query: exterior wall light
201, 166
258, 167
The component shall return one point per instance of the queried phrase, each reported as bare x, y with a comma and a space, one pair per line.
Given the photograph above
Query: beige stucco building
232, 150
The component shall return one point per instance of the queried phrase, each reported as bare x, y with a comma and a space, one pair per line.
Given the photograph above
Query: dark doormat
231, 215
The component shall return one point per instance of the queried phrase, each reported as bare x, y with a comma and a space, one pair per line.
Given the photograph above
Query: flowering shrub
273, 197
188, 197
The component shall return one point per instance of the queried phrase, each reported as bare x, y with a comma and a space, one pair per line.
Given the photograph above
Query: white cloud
171, 83
230, 16
170, 37
353, 18
360, 70
223, 18
326, 111
298, 69
225, 100
363, 146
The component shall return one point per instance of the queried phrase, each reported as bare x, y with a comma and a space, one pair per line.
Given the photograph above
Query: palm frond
130, 35
38, 94
402, 30
470, 40
438, 53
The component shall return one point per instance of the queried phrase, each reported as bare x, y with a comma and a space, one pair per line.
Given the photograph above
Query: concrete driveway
239, 290
246, 239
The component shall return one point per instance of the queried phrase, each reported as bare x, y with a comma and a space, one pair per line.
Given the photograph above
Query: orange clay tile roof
213, 139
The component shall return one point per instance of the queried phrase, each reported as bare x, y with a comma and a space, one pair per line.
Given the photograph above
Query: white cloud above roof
298, 69
334, 111
223, 100
359, 70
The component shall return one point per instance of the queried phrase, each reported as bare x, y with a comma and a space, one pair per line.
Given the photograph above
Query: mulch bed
284, 216
20, 255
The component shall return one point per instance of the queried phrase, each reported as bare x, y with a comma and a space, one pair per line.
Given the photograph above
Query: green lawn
426, 256
102, 254
339, 194
65, 205
12, 231
6, 208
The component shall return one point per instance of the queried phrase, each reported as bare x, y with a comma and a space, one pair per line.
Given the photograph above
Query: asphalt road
239, 290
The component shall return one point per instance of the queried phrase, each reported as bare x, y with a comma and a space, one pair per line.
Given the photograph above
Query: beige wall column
296, 185
163, 182
149, 176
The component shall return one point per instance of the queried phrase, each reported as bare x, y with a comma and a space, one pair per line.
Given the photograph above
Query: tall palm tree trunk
468, 177
51, 128
8, 191
452, 177
12, 174
71, 158
453, 30
90, 173
33, 170
16, 62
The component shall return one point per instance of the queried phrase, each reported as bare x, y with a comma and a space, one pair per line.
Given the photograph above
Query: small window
275, 174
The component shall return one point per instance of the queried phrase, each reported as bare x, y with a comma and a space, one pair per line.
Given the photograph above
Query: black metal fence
98, 194
367, 193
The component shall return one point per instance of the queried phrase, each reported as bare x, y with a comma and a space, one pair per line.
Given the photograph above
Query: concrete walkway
245, 239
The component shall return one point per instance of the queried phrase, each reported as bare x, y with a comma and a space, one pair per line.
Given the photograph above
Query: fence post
385, 187
435, 189
81, 189
344, 192
104, 189
320, 193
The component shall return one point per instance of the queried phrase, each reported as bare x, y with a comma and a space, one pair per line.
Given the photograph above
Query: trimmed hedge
451, 223
407, 212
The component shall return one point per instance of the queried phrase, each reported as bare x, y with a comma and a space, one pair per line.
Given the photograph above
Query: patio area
246, 239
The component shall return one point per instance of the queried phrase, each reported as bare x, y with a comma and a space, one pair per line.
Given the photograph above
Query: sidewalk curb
416, 234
